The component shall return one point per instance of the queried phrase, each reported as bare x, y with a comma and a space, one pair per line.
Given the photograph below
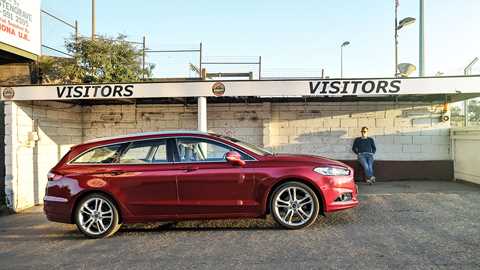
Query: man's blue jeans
366, 160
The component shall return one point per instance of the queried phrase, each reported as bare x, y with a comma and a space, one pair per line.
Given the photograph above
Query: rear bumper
56, 209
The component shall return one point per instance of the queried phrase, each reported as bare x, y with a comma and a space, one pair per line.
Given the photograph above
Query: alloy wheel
97, 216
295, 205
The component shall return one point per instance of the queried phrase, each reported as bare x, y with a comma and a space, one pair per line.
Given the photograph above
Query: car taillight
53, 176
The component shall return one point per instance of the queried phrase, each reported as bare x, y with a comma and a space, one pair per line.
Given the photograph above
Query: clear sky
294, 38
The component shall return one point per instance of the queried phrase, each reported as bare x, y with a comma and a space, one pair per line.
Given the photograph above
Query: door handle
116, 172
192, 168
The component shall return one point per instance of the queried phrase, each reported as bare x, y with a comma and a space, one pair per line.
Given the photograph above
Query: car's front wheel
294, 205
97, 216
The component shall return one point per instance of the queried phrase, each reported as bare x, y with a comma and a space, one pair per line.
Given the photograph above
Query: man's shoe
369, 181
373, 178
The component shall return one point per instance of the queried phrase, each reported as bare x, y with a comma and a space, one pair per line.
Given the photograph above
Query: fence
192, 63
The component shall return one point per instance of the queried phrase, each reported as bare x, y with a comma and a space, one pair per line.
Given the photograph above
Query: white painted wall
27, 160
244, 121
402, 130
466, 153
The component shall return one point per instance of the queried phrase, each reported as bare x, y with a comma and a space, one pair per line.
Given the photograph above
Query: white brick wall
244, 121
403, 131
27, 162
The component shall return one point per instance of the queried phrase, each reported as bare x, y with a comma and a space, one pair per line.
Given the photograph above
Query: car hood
304, 159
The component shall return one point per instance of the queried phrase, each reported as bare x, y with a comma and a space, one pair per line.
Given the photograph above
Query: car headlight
332, 171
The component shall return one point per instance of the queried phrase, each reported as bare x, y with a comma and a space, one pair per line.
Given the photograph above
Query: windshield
253, 148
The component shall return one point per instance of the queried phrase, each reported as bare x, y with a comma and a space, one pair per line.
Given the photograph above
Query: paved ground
399, 225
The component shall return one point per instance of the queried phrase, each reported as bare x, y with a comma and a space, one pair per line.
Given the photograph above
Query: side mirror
234, 158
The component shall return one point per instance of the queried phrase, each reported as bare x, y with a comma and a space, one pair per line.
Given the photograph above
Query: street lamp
346, 43
399, 25
404, 22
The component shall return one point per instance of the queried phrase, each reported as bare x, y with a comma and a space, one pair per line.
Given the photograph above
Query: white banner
267, 88
20, 24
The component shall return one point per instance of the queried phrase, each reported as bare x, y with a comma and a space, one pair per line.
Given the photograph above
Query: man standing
365, 148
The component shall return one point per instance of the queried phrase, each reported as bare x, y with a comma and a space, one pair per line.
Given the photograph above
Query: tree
474, 110
456, 111
102, 60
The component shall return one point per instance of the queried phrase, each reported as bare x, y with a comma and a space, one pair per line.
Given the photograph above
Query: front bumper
337, 187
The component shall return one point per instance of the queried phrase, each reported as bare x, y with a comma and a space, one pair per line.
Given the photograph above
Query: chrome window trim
157, 163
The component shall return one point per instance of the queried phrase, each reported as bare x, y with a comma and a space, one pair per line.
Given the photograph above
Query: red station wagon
171, 176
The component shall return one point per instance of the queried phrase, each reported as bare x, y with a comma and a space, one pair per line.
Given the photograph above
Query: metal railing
258, 63
199, 51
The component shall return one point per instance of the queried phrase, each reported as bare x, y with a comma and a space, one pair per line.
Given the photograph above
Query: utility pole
143, 57
76, 32
259, 67
346, 43
421, 53
200, 62
341, 62
93, 19
396, 38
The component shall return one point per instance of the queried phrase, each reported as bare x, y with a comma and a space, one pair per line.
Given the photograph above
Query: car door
210, 186
145, 179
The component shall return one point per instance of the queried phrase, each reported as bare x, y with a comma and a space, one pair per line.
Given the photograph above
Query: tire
297, 199
96, 216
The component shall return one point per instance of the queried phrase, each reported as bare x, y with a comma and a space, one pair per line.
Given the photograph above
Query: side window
196, 149
106, 154
144, 151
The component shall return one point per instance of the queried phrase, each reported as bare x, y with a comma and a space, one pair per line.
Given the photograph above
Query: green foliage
474, 111
102, 60
458, 115
456, 111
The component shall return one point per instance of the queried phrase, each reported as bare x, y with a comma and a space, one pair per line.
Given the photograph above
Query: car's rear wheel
97, 216
294, 205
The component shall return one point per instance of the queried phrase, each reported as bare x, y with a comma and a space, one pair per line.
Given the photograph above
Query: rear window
105, 154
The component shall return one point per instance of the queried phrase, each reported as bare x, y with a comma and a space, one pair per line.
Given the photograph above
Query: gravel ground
399, 225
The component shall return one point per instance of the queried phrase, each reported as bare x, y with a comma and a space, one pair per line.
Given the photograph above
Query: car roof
141, 134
